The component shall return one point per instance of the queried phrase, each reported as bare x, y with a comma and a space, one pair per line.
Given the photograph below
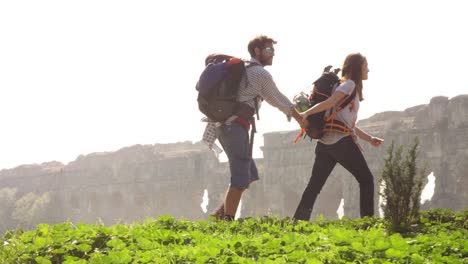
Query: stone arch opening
429, 188
340, 210
205, 201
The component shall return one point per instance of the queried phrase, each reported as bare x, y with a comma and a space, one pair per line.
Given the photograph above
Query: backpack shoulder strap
348, 100
336, 109
248, 65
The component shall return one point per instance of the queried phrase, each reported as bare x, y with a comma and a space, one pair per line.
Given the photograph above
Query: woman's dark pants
347, 153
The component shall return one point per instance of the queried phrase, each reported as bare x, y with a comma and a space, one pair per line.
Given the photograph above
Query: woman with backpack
340, 145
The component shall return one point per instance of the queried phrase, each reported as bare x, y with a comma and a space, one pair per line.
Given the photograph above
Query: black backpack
218, 87
323, 88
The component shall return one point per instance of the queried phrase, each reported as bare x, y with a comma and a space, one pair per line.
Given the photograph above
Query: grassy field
439, 237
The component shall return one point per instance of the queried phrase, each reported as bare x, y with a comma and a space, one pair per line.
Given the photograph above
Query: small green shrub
402, 182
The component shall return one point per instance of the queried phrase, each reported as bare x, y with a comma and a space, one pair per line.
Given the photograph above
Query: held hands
305, 122
375, 141
297, 116
304, 115
301, 122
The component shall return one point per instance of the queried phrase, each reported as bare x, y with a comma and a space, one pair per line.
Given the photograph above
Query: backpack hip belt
335, 125
243, 121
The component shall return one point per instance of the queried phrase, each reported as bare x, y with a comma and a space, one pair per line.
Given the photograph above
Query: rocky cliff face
147, 181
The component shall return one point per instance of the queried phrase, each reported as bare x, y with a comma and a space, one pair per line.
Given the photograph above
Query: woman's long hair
352, 67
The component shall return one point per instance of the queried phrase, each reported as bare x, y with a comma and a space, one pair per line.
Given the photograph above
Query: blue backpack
218, 87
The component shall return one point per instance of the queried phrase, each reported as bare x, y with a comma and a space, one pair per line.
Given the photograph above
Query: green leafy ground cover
440, 237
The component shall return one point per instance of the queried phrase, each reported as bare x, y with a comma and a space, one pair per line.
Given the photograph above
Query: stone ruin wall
151, 180
130, 184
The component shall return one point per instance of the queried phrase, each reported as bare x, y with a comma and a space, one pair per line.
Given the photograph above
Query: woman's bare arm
325, 105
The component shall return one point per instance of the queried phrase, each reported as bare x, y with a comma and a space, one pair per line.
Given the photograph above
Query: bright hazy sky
78, 77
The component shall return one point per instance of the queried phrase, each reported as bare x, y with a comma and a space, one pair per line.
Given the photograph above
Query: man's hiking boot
218, 214
228, 218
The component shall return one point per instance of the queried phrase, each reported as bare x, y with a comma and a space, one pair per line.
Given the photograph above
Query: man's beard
266, 62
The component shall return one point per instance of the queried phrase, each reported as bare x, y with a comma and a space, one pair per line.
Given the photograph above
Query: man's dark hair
260, 42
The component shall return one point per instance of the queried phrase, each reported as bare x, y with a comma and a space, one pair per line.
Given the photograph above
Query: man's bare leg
232, 200
221, 210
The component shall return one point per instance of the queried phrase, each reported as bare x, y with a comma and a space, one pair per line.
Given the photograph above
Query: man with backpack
255, 86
